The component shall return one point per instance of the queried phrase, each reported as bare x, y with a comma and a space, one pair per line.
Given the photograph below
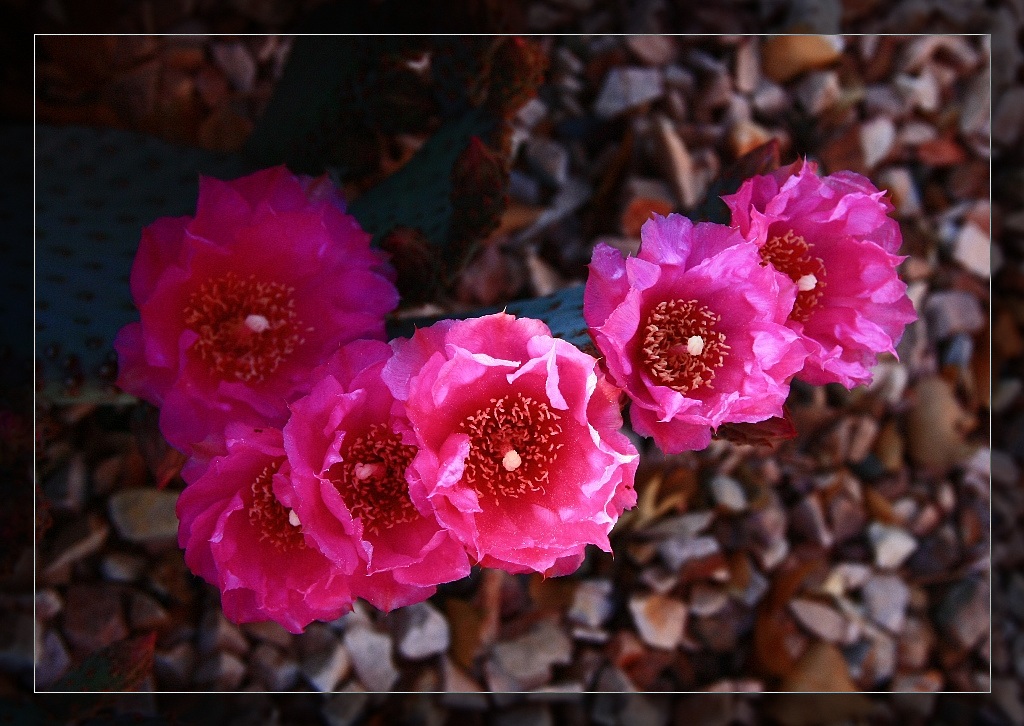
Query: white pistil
807, 282
256, 323
512, 460
293, 518
365, 471
695, 345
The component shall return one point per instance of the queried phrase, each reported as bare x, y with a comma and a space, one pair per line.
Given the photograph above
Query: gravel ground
854, 558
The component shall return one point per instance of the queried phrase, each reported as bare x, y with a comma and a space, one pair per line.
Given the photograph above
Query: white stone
823, 621
591, 603
818, 91
886, 598
892, 545
876, 139
628, 87
973, 250
422, 631
327, 668
728, 493
371, 657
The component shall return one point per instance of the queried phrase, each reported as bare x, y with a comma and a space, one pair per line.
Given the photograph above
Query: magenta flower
833, 237
239, 303
238, 535
349, 487
520, 453
693, 329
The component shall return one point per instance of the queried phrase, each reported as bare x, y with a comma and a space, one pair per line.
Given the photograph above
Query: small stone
747, 135
676, 551
728, 493
747, 72
216, 632
122, 567
678, 162
660, 620
175, 666
936, 426
823, 621
145, 613
527, 660
876, 139
48, 604
269, 632
770, 99
921, 91
276, 670
222, 670
654, 50
963, 613
903, 190
82, 539
846, 577
93, 617
818, 91
627, 87
952, 311
707, 600
591, 603
52, 661
784, 57
862, 438
346, 707
821, 668
549, 159
66, 489
973, 250
421, 631
371, 657
461, 691
326, 667
892, 545
238, 65
914, 645
145, 516
886, 598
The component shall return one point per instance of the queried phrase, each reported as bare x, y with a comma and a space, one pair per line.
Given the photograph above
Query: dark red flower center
271, 519
247, 327
791, 255
681, 347
513, 443
371, 480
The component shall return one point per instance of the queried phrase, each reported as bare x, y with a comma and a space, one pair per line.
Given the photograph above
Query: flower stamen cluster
791, 255
513, 446
681, 347
371, 480
247, 328
273, 522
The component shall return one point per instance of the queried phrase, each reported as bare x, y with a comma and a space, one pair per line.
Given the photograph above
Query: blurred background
853, 558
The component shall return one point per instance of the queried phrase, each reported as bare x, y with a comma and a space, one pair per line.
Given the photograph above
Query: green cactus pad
95, 191
418, 194
562, 311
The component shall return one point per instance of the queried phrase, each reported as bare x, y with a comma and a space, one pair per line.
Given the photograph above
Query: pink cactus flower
238, 535
833, 237
693, 328
349, 487
239, 303
520, 453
